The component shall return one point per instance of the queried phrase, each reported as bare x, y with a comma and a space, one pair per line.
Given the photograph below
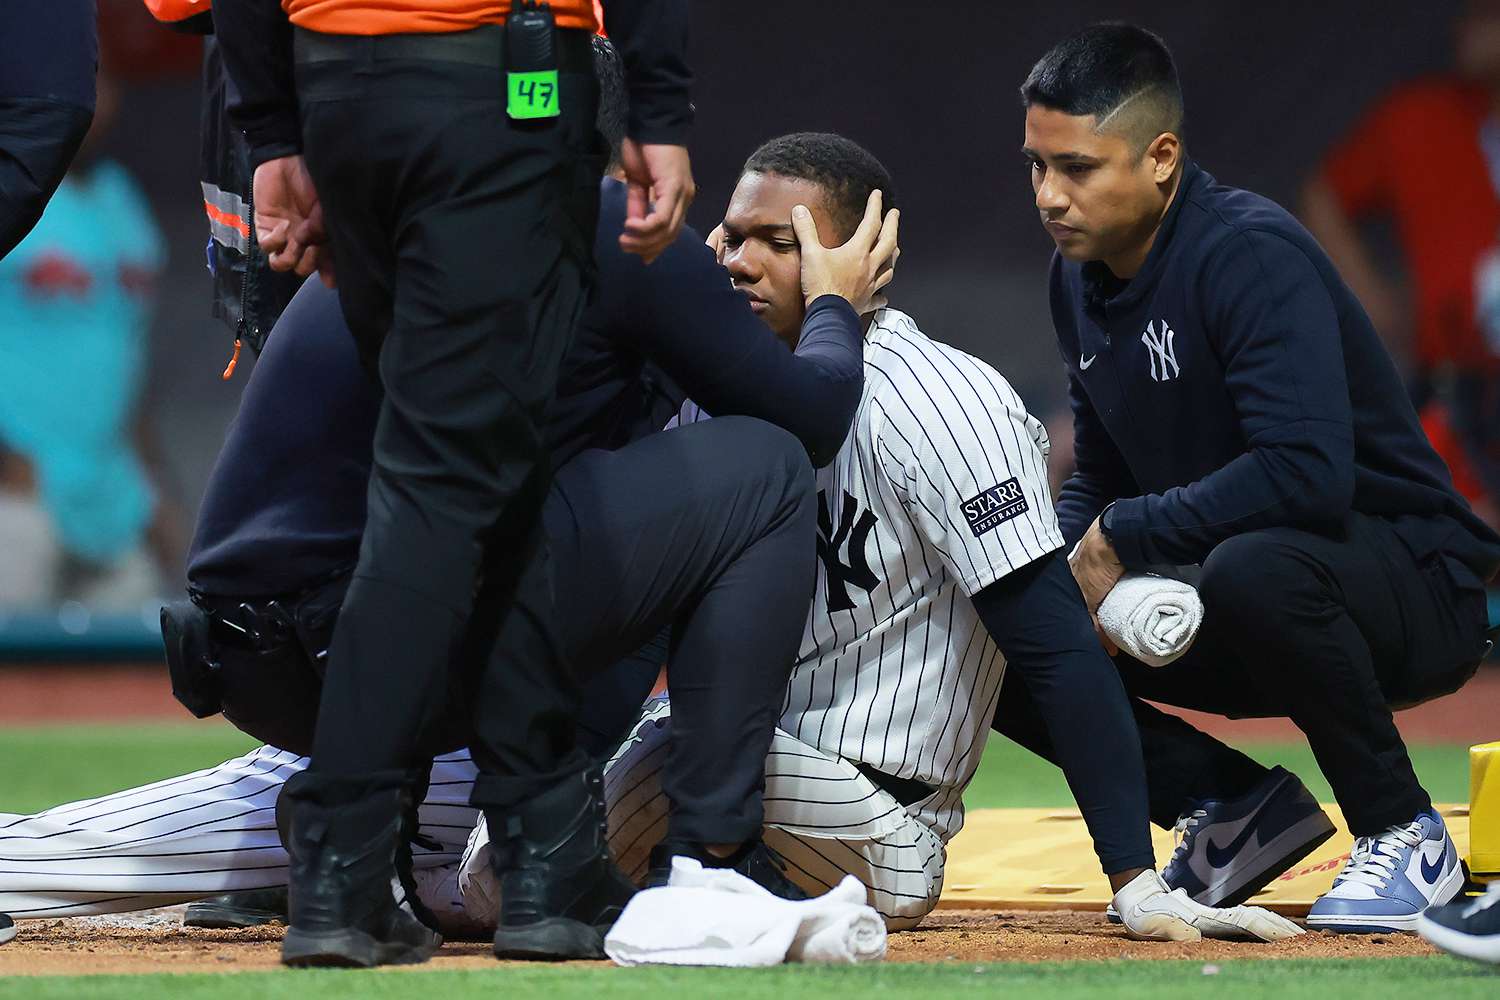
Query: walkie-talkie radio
531, 62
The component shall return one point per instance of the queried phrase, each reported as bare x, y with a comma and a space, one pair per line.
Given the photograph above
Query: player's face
760, 248
1098, 197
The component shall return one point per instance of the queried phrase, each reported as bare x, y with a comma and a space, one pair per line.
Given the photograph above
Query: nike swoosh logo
1220, 857
1083, 363
1432, 871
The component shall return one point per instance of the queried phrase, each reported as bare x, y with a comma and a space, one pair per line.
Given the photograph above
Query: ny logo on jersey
856, 531
1163, 353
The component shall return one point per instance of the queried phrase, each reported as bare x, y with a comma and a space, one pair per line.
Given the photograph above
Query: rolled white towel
719, 917
1153, 618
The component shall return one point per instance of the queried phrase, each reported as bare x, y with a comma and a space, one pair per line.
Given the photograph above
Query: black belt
482, 46
259, 625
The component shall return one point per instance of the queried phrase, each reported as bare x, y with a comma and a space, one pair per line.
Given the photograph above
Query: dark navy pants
1333, 631
706, 532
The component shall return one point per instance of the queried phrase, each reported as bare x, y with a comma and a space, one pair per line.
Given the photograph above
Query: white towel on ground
716, 916
1153, 618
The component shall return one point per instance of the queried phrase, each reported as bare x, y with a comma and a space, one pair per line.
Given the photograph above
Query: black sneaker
560, 891
754, 860
249, 908
343, 844
7, 928
1468, 928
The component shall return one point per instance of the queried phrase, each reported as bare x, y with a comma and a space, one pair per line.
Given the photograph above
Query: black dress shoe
249, 908
343, 845
754, 860
560, 892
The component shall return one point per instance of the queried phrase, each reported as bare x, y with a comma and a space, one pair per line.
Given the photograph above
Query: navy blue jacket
285, 506
1235, 383
48, 53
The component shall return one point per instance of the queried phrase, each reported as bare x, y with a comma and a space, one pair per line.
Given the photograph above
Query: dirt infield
156, 942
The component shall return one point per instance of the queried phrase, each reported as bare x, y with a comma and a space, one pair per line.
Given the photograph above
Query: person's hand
289, 219
860, 268
1097, 569
1150, 912
715, 242
659, 189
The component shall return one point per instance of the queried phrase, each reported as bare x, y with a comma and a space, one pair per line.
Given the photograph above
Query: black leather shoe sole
555, 939
351, 948
219, 916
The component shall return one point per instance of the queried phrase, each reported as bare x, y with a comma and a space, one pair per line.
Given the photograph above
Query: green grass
1285, 980
1013, 778
46, 765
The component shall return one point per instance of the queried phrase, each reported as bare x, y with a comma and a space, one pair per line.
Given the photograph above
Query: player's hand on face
659, 189
1150, 912
289, 218
859, 269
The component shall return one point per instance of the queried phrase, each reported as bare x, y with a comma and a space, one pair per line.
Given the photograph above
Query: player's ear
1164, 154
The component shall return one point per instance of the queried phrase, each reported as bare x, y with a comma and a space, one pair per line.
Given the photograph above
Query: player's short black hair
613, 104
845, 170
1121, 74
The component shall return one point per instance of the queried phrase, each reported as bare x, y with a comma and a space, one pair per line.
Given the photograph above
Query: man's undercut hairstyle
1120, 74
613, 104
842, 168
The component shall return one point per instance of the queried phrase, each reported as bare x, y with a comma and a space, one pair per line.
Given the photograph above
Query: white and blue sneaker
7, 928
1391, 878
1230, 849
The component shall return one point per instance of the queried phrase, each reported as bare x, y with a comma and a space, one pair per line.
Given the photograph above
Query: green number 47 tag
532, 95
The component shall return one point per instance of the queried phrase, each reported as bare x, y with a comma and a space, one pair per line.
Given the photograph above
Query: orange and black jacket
256, 40
247, 295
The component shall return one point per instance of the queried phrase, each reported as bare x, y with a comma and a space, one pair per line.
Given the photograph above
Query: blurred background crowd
1378, 123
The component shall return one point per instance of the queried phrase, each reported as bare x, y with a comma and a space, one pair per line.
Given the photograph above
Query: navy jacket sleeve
48, 53
1276, 332
255, 41
1100, 474
682, 313
1037, 618
652, 36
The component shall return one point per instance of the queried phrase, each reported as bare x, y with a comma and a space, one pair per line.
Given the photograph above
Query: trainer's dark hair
1121, 74
845, 170
613, 104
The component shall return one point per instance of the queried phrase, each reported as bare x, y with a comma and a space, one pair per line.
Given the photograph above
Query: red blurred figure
1426, 158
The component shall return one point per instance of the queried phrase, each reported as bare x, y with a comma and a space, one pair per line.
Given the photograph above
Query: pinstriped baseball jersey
939, 490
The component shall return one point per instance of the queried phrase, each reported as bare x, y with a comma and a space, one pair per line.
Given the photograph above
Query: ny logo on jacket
1163, 354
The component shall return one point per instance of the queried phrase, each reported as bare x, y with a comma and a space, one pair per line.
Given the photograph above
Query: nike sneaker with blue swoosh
1391, 878
1229, 849
1468, 928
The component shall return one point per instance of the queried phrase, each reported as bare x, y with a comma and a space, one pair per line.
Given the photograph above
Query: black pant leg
1305, 625
463, 242
1183, 764
711, 529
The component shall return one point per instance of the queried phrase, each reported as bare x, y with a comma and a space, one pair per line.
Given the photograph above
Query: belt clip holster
191, 660
263, 628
